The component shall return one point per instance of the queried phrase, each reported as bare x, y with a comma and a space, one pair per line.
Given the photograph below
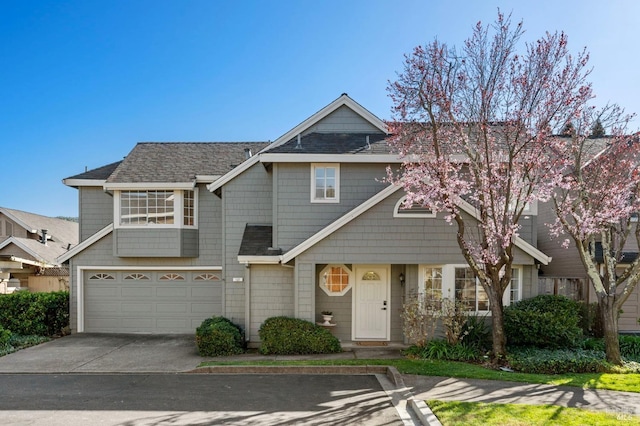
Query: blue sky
84, 81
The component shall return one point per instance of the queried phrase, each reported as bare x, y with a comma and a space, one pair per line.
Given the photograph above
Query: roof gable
59, 230
308, 126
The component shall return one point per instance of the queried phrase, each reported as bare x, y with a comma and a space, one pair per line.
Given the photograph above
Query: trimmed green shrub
557, 361
42, 314
218, 336
544, 321
293, 336
5, 337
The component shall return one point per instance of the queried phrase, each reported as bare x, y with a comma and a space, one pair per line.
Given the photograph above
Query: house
29, 247
178, 232
567, 276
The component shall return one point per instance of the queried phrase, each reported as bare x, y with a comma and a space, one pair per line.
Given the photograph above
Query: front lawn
483, 414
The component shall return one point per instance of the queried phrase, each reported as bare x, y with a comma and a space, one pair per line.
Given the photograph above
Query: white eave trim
329, 158
207, 178
75, 183
149, 185
519, 242
86, 243
334, 226
259, 260
22, 224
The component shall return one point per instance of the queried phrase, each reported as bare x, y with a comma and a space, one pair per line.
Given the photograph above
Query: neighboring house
29, 247
566, 275
178, 232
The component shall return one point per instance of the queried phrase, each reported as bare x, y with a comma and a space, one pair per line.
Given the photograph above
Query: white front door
371, 304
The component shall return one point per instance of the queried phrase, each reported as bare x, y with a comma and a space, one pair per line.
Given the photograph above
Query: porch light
401, 277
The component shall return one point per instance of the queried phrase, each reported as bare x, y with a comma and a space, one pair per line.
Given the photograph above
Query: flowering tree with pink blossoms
476, 126
597, 205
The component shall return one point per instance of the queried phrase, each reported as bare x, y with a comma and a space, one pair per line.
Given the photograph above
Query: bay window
163, 208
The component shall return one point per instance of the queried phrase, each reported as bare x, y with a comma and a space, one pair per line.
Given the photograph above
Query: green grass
482, 414
610, 381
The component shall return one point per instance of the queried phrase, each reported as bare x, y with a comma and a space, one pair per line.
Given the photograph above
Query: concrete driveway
106, 353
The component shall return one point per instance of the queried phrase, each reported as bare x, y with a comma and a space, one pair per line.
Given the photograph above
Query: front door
371, 307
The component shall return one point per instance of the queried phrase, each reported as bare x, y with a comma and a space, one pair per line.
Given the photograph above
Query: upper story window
164, 208
325, 183
7, 229
414, 210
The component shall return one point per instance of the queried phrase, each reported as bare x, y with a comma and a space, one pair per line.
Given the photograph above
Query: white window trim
314, 166
325, 270
448, 283
178, 209
408, 214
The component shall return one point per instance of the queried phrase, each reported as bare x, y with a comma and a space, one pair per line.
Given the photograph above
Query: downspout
247, 302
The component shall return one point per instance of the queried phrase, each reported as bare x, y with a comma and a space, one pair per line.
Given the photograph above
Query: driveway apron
106, 353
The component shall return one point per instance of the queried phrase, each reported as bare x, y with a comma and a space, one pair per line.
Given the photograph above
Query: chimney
247, 153
44, 237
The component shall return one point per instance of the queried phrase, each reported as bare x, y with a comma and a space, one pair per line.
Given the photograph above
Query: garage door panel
171, 308
153, 305
144, 292
103, 291
180, 292
137, 307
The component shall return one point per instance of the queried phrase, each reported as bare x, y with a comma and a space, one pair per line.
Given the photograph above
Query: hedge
218, 336
43, 314
292, 336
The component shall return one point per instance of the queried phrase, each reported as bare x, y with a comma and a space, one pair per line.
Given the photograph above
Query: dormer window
161, 208
325, 183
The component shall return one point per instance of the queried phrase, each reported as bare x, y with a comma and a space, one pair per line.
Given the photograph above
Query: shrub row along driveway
106, 353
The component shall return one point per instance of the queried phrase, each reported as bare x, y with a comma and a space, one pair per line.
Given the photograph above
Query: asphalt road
193, 399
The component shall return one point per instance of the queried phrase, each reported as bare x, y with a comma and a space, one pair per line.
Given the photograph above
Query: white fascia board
207, 178
259, 260
149, 185
329, 158
339, 223
343, 100
519, 242
86, 243
75, 183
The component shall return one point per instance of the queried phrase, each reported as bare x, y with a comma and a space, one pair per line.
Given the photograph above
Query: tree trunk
610, 327
499, 338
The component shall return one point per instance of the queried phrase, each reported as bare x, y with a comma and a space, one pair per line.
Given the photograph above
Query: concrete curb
423, 412
292, 369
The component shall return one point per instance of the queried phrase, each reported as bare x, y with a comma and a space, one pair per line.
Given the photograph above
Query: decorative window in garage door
101, 277
207, 277
136, 277
172, 277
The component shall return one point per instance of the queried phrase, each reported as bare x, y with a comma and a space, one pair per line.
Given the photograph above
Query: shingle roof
100, 173
38, 251
60, 230
256, 241
335, 143
180, 161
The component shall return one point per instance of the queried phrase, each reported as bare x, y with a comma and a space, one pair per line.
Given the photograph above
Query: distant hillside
70, 219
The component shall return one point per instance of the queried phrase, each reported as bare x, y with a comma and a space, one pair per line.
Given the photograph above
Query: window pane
515, 286
465, 288
189, 208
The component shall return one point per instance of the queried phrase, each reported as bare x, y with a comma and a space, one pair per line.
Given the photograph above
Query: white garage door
150, 301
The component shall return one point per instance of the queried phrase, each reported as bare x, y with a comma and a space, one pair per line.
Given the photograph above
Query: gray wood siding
344, 119
272, 294
298, 218
95, 210
167, 242
565, 262
377, 237
246, 199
